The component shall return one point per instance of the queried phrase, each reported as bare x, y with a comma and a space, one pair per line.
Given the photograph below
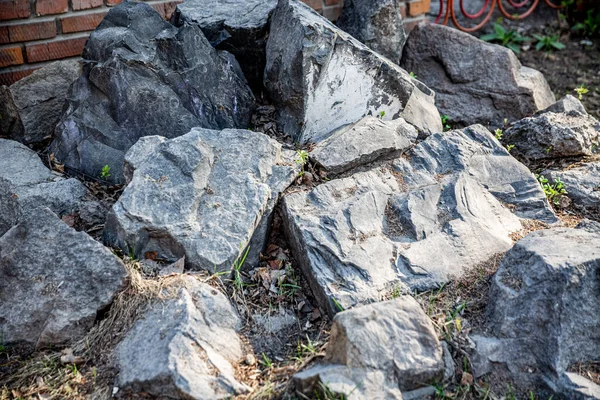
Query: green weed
548, 43
554, 190
507, 38
105, 173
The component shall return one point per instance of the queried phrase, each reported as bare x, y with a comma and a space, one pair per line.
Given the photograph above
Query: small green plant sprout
554, 190
581, 90
238, 282
591, 25
507, 38
266, 361
412, 74
105, 173
337, 304
509, 147
301, 157
381, 114
446, 123
498, 134
548, 43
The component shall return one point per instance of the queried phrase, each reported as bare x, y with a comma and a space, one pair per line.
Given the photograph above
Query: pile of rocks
399, 206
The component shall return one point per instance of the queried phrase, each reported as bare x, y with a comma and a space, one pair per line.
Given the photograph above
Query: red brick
8, 78
81, 23
11, 55
113, 2
4, 35
315, 4
333, 2
55, 50
45, 7
418, 7
85, 4
32, 31
14, 9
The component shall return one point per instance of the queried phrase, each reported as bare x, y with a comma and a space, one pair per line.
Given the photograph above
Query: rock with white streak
321, 78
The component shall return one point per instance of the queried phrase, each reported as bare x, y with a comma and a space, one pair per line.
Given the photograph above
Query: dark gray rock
204, 195
146, 77
10, 123
183, 348
10, 211
543, 305
239, 27
474, 81
589, 225
35, 185
376, 23
40, 100
321, 78
360, 237
363, 142
562, 130
53, 280
582, 184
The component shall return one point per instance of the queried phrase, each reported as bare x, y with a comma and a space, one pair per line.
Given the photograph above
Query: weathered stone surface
412, 352
589, 225
474, 81
10, 123
582, 184
363, 142
40, 100
53, 280
183, 347
351, 383
146, 77
239, 27
322, 78
34, 184
201, 195
10, 212
561, 130
363, 235
376, 23
543, 304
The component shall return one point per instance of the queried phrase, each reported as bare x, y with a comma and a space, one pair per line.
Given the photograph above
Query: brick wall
36, 32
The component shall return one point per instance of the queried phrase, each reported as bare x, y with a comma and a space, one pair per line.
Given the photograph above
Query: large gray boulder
359, 237
146, 77
239, 27
366, 141
562, 130
40, 100
183, 348
543, 308
474, 81
53, 280
203, 195
33, 184
376, 23
411, 357
322, 78
582, 184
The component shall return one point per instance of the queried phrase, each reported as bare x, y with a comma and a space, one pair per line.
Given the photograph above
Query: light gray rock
376, 23
589, 225
562, 130
348, 383
35, 185
10, 211
40, 100
183, 347
363, 142
412, 352
239, 27
474, 81
582, 184
53, 280
146, 77
321, 78
360, 237
202, 196
577, 387
543, 305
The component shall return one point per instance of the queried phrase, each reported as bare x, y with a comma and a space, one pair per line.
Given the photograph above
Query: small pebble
250, 359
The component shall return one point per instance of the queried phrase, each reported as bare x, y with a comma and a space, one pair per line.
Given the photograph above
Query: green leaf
500, 31
558, 45
539, 46
514, 48
489, 37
